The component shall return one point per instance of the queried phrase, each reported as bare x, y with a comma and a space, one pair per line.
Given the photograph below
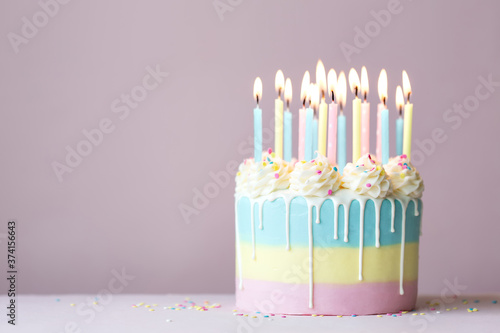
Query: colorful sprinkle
238, 174
318, 172
277, 175
273, 155
339, 316
476, 301
368, 185
330, 193
353, 315
494, 302
335, 168
269, 150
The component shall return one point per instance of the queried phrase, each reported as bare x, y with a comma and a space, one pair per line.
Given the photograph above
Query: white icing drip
316, 208
347, 209
335, 220
361, 235
261, 218
253, 228
415, 205
393, 213
378, 207
238, 249
311, 273
403, 232
287, 222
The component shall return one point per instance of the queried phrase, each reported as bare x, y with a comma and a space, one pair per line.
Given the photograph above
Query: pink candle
365, 128
380, 108
302, 133
332, 133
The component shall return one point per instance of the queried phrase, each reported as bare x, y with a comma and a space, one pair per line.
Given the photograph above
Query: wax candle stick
341, 138
408, 116
365, 114
399, 121
383, 151
309, 126
382, 93
278, 114
356, 115
302, 116
287, 119
315, 104
323, 108
332, 119
257, 120
385, 135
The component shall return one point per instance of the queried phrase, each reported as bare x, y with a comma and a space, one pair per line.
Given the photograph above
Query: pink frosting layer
329, 299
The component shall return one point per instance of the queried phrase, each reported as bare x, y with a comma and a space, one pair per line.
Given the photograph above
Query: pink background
121, 206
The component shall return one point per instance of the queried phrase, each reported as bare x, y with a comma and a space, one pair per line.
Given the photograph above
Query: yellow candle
278, 115
356, 116
323, 108
408, 116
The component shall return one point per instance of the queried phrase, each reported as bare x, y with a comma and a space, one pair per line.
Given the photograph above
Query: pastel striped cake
312, 241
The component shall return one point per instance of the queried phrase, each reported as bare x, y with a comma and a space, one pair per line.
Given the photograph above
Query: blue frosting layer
274, 224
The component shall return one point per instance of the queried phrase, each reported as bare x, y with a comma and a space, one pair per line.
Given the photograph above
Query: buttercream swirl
366, 177
404, 178
272, 174
315, 178
242, 176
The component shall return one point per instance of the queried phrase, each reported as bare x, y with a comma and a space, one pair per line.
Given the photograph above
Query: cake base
292, 299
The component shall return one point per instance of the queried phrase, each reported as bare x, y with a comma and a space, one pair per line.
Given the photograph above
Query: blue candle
257, 136
341, 142
399, 135
315, 136
287, 133
308, 155
384, 117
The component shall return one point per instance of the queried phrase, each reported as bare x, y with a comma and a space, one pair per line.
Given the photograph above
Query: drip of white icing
338, 200
238, 249
361, 235
287, 222
311, 273
335, 220
378, 207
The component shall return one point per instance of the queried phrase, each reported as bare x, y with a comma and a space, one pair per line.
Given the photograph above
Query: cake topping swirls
366, 177
242, 176
404, 178
315, 178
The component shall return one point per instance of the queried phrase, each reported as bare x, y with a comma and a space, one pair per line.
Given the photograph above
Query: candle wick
279, 92
333, 96
257, 97
383, 100
304, 102
365, 94
356, 91
400, 111
409, 97
287, 105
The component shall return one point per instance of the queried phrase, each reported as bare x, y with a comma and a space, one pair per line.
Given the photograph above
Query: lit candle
323, 108
341, 147
287, 119
332, 119
279, 83
302, 116
400, 100
308, 155
315, 104
383, 118
382, 83
257, 121
356, 115
365, 114
408, 118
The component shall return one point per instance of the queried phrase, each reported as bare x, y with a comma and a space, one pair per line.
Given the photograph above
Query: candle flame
342, 90
364, 82
314, 96
279, 82
288, 92
382, 86
257, 89
399, 98
304, 87
354, 81
406, 86
321, 78
332, 82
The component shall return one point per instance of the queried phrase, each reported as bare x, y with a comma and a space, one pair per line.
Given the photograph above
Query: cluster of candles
322, 127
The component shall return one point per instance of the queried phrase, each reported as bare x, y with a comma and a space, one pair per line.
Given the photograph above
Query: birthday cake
315, 240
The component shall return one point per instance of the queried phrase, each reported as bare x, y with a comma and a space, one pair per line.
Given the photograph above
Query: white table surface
56, 313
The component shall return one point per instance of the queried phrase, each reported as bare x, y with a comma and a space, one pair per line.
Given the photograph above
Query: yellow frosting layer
339, 265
